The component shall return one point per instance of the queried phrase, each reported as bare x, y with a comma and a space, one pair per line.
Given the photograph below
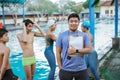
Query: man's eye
75, 20
71, 21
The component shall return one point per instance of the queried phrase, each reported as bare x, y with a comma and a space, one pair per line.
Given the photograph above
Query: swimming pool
42, 67
103, 35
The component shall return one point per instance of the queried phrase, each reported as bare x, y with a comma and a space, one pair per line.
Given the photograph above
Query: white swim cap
50, 22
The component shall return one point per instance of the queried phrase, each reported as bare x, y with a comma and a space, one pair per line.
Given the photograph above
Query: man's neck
86, 31
73, 30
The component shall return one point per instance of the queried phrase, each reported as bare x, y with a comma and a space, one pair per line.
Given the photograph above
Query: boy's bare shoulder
19, 35
7, 49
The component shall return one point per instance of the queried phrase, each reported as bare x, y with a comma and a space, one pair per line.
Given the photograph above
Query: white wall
103, 8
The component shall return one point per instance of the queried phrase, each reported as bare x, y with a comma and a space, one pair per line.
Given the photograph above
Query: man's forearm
85, 50
59, 61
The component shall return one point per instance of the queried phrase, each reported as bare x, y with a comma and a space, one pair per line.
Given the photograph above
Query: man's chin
73, 30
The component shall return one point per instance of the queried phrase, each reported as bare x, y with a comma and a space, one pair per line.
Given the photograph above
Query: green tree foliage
69, 5
72, 6
86, 4
77, 9
31, 8
44, 6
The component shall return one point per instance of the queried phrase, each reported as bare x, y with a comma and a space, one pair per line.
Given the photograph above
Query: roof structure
12, 1
6, 13
108, 3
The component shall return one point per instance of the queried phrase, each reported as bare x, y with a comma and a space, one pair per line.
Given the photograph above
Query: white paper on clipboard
76, 41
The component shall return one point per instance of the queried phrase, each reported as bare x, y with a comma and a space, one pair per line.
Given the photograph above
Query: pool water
42, 68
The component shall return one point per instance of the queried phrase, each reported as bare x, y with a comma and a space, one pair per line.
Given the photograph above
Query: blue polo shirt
76, 63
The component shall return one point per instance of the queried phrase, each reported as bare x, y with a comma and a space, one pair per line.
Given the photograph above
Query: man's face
5, 38
30, 26
73, 24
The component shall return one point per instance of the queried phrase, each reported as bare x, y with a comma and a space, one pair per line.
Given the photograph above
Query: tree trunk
15, 20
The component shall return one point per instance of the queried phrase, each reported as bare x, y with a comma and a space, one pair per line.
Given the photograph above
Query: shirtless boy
26, 39
5, 70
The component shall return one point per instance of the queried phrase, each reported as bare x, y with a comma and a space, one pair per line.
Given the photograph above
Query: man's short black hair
27, 21
2, 32
73, 15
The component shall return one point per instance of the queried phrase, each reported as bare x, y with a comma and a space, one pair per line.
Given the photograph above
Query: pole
91, 19
23, 11
3, 14
116, 18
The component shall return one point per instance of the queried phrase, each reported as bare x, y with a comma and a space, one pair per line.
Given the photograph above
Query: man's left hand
71, 50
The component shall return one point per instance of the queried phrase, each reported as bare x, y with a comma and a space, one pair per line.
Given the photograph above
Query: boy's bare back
4, 56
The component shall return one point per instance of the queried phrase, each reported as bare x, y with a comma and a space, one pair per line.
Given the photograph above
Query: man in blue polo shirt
72, 66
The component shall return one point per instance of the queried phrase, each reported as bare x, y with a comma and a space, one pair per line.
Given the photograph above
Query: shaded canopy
12, 1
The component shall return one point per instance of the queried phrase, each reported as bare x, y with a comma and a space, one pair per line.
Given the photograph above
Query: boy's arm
42, 34
24, 39
5, 63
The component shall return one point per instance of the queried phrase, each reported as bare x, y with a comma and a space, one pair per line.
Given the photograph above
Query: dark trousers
9, 75
69, 75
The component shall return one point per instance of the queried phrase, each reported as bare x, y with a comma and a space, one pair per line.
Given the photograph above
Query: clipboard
76, 41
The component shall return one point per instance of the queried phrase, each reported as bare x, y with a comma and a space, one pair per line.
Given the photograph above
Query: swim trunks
28, 60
